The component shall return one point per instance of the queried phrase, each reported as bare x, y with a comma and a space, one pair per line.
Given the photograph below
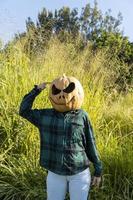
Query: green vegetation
111, 113
103, 64
90, 25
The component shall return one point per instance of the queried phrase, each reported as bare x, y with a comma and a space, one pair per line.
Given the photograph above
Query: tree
102, 30
66, 23
94, 23
118, 45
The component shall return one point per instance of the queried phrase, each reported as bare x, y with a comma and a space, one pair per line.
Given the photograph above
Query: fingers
45, 84
42, 86
96, 181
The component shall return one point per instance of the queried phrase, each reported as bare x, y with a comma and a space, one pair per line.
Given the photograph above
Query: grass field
111, 113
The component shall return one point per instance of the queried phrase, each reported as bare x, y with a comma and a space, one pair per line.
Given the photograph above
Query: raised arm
26, 111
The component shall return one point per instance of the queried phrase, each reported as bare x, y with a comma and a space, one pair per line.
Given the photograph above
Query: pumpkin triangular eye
70, 88
55, 90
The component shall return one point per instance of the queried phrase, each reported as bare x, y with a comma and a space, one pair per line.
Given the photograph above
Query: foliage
111, 113
91, 25
119, 46
89, 28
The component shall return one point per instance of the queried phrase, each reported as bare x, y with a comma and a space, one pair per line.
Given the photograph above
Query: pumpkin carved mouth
73, 98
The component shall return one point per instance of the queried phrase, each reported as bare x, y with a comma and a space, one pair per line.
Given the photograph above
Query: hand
42, 86
96, 181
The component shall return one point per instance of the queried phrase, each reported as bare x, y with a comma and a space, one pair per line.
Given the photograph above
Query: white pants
79, 185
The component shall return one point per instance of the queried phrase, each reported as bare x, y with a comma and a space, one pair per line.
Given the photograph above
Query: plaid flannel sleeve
26, 111
91, 149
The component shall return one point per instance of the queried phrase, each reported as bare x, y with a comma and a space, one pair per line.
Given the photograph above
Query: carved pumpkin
66, 93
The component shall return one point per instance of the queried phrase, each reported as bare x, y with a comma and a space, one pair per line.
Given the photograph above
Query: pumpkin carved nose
62, 96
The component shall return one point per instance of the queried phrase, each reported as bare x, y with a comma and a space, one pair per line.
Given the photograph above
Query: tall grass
111, 114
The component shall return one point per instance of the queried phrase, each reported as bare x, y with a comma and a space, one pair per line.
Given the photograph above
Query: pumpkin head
66, 93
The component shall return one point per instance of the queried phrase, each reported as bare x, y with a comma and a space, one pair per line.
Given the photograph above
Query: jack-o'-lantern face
66, 93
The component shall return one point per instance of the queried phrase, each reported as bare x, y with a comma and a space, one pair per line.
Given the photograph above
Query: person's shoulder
46, 111
86, 116
84, 113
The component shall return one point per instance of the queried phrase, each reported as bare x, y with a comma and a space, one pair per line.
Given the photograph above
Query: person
67, 140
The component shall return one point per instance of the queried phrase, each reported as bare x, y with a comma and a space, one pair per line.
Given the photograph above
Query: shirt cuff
97, 174
98, 169
36, 89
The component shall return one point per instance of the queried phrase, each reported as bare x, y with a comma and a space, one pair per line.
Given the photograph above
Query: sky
13, 13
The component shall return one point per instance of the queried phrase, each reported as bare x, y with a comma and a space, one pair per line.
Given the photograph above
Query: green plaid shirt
67, 141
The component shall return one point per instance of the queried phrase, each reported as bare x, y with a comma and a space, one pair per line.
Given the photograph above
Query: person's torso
63, 142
